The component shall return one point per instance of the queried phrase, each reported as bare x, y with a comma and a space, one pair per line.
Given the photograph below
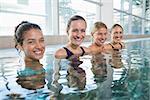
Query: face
76, 32
117, 34
33, 44
100, 36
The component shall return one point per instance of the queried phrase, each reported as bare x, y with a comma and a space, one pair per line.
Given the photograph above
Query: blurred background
52, 16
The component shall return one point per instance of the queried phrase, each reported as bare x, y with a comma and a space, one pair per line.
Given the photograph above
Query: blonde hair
97, 26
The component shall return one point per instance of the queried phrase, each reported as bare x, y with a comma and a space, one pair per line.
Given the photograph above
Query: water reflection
76, 76
120, 72
71, 78
99, 66
102, 76
93, 79
116, 60
138, 79
31, 79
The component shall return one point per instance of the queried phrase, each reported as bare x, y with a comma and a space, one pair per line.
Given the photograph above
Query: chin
99, 43
77, 43
38, 58
115, 41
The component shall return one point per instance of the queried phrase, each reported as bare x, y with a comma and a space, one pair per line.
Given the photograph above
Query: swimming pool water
120, 75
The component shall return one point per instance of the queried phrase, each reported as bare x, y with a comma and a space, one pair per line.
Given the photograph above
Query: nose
39, 45
80, 33
103, 36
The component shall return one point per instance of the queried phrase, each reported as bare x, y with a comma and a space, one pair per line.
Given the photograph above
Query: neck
97, 44
73, 46
113, 42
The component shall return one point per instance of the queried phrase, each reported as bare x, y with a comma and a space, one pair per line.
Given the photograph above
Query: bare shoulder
60, 53
123, 44
94, 49
92, 46
86, 49
107, 47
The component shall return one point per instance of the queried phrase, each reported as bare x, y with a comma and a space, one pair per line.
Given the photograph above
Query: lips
101, 41
38, 52
79, 39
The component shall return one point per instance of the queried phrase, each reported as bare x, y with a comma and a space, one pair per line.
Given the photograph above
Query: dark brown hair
116, 25
74, 18
21, 29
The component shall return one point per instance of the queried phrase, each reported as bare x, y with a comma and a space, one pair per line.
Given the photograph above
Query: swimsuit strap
121, 45
69, 53
113, 47
83, 51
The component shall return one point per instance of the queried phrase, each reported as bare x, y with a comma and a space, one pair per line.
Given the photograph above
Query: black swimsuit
69, 53
113, 47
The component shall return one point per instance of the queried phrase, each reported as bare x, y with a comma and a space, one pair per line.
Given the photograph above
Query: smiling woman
29, 39
76, 28
117, 35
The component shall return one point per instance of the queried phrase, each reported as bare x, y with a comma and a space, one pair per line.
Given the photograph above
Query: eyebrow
30, 39
34, 39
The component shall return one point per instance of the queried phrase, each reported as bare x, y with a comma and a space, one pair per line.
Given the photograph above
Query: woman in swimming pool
29, 39
99, 34
76, 30
116, 39
117, 36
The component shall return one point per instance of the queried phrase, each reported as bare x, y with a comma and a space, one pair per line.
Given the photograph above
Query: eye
75, 30
120, 32
116, 33
30, 42
83, 30
42, 40
105, 33
99, 33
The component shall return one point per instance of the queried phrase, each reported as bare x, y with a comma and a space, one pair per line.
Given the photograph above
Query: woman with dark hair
117, 35
76, 30
29, 39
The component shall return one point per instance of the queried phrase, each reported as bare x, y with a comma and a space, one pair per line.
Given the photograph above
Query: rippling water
120, 75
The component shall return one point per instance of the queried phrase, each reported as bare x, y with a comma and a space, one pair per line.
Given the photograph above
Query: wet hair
116, 25
97, 26
74, 18
21, 29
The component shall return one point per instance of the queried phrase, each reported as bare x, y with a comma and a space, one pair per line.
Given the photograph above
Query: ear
67, 33
19, 47
92, 33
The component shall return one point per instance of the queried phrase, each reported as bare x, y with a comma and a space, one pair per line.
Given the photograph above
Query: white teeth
78, 39
38, 52
102, 41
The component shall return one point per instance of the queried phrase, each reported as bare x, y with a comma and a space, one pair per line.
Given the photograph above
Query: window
147, 27
136, 25
137, 7
121, 5
68, 8
12, 12
134, 15
122, 19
